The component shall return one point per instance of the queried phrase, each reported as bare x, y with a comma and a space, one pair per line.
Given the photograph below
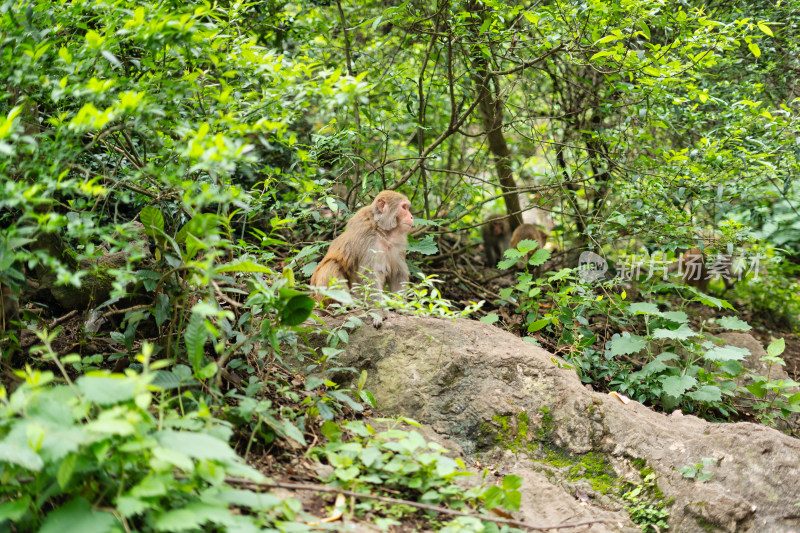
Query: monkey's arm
398, 275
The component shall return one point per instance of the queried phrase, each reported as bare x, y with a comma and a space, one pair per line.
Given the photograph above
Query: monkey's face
497, 228
405, 219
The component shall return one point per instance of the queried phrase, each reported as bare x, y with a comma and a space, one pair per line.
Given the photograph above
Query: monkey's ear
385, 216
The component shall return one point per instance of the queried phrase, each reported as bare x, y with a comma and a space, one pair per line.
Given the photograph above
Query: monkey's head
499, 227
392, 212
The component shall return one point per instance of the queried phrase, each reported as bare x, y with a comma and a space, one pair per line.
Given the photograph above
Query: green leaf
644, 308
505, 264
65, 470
726, 353
297, 310
601, 53
106, 390
14, 510
776, 347
426, 246
166, 380
676, 385
706, 393
734, 323
538, 324
682, 333
676, 316
645, 29
201, 446
94, 39
754, 49
77, 515
243, 266
626, 344
757, 389
511, 482
491, 318
260, 501
493, 497
512, 500
153, 221
195, 337
763, 27
606, 39
23, 456
539, 257
192, 517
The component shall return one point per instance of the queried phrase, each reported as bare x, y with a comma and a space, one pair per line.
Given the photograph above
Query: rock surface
490, 392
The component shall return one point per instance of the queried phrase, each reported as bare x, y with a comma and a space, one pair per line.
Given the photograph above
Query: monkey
496, 237
692, 266
531, 232
372, 246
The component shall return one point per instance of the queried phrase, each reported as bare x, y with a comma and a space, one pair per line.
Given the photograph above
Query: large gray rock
470, 381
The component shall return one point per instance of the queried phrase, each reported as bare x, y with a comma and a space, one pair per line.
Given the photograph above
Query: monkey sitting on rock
372, 248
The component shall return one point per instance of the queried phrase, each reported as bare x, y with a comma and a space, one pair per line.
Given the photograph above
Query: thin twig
427, 507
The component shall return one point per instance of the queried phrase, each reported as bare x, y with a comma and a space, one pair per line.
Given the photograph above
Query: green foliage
70, 452
240, 136
699, 471
644, 506
362, 458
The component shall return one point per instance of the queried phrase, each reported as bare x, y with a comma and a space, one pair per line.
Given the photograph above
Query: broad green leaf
153, 221
607, 38
493, 497
260, 501
22, 456
682, 333
776, 347
512, 500
644, 308
106, 390
14, 510
626, 344
505, 264
166, 380
200, 446
706, 393
763, 27
242, 266
754, 49
193, 517
491, 318
297, 310
734, 323
426, 246
675, 386
645, 29
538, 324
512, 482
726, 353
539, 257
78, 515
65, 470
676, 316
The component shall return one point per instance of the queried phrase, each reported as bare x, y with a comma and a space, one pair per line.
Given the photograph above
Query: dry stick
63, 318
434, 508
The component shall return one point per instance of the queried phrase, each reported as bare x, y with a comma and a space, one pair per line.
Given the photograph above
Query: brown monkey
372, 246
531, 232
496, 236
692, 265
